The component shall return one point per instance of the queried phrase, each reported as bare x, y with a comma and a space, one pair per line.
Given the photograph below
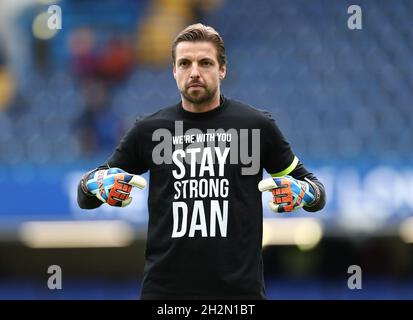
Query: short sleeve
128, 155
278, 158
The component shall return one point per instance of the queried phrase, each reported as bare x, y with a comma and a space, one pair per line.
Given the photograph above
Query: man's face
196, 71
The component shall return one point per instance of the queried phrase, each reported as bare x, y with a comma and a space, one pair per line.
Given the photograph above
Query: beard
199, 96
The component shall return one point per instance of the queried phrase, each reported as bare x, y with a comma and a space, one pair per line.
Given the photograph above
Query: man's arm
293, 186
127, 157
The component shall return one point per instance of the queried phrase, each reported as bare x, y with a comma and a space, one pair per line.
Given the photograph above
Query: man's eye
183, 63
207, 63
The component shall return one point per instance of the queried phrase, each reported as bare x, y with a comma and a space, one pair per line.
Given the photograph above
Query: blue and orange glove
289, 194
113, 186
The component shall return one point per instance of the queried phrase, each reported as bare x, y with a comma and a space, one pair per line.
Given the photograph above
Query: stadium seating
349, 92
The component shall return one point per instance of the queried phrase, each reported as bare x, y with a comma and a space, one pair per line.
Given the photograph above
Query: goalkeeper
205, 244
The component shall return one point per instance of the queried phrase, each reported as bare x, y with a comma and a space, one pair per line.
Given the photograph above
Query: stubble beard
200, 98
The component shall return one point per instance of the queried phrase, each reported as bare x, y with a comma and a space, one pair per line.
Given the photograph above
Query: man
206, 157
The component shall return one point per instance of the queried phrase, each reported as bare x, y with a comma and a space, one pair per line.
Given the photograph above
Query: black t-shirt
205, 221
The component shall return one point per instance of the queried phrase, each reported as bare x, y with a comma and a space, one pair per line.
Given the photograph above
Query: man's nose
194, 72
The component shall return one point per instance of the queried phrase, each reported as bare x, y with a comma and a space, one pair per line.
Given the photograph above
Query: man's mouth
195, 85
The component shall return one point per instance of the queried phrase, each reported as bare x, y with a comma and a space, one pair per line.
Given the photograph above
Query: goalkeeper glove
289, 194
113, 186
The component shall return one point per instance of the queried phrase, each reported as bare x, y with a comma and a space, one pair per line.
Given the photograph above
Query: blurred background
342, 97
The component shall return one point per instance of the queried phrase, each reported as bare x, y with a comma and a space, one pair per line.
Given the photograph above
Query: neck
202, 107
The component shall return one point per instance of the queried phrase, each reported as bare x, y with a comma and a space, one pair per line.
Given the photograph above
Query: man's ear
174, 71
222, 72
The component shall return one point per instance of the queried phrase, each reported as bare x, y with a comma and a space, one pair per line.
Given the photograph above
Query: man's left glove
112, 186
289, 194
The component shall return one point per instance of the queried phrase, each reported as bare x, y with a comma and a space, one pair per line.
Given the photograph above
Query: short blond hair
199, 32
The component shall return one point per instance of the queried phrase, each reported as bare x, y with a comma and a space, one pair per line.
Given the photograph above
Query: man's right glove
113, 186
